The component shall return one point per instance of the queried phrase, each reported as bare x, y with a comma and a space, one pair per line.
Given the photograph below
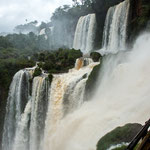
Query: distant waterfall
85, 33
114, 37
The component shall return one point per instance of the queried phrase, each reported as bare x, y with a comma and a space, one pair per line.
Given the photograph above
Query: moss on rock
91, 82
37, 72
50, 78
119, 135
95, 56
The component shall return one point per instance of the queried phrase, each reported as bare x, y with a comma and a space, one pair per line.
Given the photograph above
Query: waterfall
38, 111
121, 97
25, 114
22, 133
67, 95
85, 33
17, 99
29, 107
114, 37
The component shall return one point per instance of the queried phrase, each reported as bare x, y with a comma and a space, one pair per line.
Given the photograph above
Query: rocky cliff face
139, 17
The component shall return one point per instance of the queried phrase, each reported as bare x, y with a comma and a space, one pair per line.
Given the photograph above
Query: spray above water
122, 99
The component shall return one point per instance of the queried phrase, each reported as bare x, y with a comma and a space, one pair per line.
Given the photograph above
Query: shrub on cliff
37, 72
118, 136
95, 56
50, 77
59, 61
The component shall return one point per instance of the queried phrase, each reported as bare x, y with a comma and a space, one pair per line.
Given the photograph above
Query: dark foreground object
142, 133
123, 134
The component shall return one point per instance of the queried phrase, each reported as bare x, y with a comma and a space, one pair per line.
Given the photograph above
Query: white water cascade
114, 37
40, 94
17, 99
25, 114
67, 95
122, 97
85, 33
24, 126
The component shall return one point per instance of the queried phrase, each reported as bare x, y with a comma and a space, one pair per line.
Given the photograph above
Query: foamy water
122, 97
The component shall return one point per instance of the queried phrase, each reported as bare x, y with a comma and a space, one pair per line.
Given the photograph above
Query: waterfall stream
17, 99
121, 97
114, 37
24, 126
85, 33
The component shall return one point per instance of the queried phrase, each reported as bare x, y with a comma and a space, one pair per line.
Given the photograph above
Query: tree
83, 2
26, 28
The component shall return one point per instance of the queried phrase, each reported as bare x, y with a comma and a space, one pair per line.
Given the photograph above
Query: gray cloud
14, 12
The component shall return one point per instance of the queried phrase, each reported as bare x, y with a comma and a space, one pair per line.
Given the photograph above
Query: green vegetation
28, 42
11, 61
58, 61
50, 77
19, 51
26, 28
95, 56
37, 72
118, 136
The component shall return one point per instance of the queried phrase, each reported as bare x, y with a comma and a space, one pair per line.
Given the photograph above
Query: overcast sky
15, 12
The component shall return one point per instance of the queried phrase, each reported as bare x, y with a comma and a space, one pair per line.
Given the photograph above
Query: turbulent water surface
122, 97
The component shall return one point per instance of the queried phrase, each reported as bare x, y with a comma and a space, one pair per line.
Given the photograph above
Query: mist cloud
14, 12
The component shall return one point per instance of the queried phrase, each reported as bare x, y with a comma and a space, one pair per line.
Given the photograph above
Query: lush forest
20, 50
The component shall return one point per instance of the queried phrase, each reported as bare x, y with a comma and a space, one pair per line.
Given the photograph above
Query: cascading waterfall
85, 33
22, 132
114, 37
26, 111
25, 115
38, 111
17, 99
122, 97
67, 95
